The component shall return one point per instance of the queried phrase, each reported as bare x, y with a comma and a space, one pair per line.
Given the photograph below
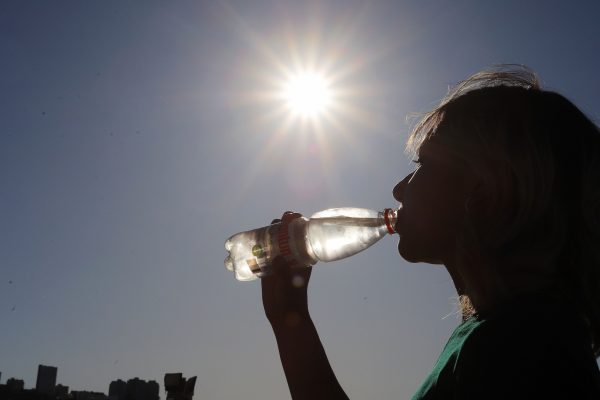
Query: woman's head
532, 208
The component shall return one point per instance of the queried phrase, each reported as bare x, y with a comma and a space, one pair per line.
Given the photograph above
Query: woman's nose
398, 191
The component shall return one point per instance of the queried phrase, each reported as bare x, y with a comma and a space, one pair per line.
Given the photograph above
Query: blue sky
137, 136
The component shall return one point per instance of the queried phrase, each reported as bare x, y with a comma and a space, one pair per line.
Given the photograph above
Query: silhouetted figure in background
506, 195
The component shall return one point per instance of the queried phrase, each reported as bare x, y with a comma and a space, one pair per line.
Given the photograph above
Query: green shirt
531, 349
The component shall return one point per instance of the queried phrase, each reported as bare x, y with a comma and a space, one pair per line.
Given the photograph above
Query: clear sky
135, 137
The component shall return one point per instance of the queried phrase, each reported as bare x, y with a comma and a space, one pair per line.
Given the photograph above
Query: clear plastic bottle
328, 235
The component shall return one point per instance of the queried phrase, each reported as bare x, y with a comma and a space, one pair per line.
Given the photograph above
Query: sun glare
307, 94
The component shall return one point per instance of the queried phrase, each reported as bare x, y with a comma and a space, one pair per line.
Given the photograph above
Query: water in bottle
326, 236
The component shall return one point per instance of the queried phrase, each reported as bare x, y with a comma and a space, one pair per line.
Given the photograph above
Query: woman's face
433, 201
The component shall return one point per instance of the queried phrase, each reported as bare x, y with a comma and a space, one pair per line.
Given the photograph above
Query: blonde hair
537, 157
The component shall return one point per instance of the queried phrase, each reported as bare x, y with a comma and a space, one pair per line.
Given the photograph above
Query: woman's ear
475, 202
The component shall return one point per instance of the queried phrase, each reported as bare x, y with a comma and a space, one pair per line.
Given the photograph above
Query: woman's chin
407, 252
415, 254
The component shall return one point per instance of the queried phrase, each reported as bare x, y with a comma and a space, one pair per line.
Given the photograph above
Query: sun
307, 94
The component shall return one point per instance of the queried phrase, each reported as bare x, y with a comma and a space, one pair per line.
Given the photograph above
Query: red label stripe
283, 241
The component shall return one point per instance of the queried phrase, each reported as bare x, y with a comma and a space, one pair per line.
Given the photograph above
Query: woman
518, 169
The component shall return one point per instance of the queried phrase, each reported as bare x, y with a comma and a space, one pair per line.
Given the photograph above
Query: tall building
46, 380
178, 387
117, 390
136, 389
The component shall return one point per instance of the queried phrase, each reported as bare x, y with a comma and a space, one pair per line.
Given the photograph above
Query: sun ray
304, 95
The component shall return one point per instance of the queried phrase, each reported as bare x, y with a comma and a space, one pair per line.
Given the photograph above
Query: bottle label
262, 259
258, 251
283, 240
262, 248
253, 265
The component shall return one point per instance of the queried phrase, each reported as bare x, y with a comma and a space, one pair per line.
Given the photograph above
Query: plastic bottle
328, 235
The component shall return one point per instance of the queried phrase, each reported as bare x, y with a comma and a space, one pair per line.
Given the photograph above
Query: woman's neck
481, 290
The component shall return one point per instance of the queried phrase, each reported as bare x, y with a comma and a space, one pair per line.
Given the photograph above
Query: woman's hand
284, 292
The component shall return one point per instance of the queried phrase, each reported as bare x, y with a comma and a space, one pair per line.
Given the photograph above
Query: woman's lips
398, 223
399, 213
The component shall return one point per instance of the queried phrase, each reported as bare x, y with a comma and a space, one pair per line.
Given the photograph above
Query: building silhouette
117, 390
86, 395
46, 380
133, 389
178, 387
15, 385
15, 389
61, 392
152, 390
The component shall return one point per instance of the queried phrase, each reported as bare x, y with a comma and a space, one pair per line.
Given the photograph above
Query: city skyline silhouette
176, 387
